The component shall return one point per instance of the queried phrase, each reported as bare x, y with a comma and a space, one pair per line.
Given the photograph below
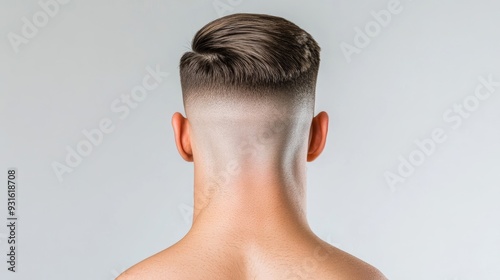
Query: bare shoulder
180, 261
357, 270
154, 267
142, 270
342, 265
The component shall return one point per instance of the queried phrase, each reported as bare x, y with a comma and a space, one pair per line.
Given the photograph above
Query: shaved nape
254, 135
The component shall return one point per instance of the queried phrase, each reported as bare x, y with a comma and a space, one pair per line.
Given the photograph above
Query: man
249, 90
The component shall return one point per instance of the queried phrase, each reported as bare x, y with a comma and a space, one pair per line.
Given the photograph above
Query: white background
131, 196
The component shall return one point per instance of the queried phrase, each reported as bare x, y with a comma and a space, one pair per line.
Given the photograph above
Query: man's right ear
182, 137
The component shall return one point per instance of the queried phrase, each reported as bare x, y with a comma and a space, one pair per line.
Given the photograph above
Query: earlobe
317, 136
180, 124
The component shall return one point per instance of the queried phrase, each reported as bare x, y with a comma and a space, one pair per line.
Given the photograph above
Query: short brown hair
252, 54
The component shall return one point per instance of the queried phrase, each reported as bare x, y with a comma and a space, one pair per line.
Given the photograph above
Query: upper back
297, 261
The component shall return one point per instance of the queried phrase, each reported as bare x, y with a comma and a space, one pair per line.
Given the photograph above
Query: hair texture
252, 56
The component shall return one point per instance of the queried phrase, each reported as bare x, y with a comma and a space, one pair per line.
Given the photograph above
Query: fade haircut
251, 56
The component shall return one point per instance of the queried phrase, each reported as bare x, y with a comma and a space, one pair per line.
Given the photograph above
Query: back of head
245, 73
256, 55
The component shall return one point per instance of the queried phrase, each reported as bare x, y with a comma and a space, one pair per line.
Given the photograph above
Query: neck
257, 203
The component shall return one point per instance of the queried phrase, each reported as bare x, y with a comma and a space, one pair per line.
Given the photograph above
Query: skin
249, 219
